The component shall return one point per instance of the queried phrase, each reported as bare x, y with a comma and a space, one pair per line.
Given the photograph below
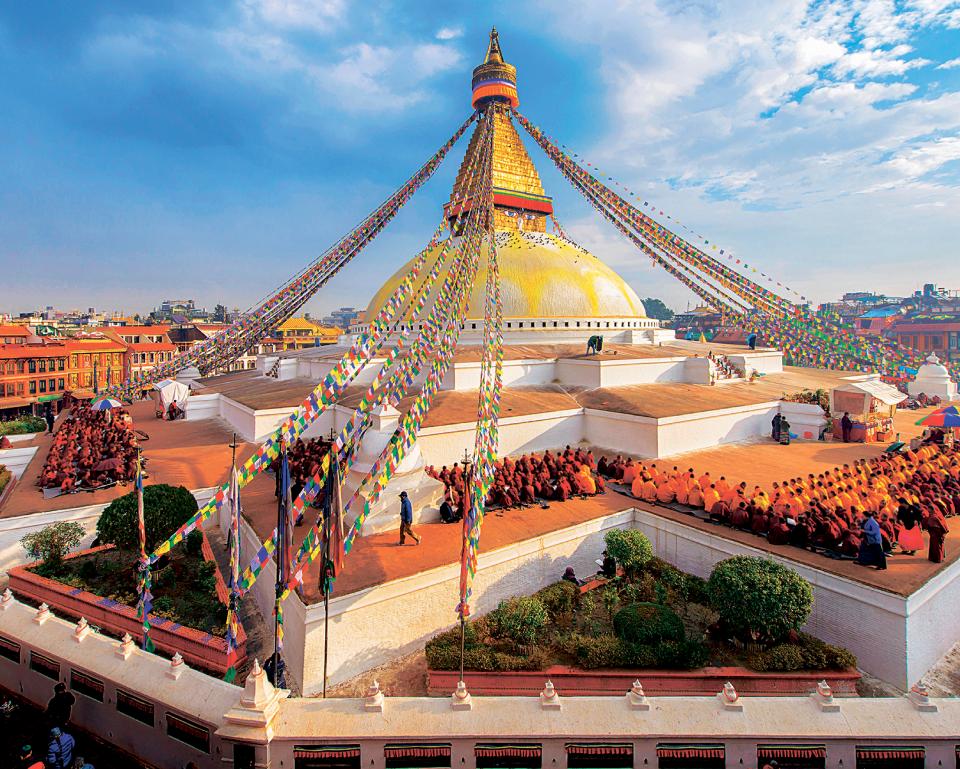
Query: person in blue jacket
406, 519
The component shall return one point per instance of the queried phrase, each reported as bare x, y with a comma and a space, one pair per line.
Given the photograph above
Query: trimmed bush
165, 509
518, 619
630, 548
682, 655
759, 599
5, 477
193, 542
558, 600
639, 656
648, 623
808, 653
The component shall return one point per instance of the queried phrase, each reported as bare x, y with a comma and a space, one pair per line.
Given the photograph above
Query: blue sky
210, 149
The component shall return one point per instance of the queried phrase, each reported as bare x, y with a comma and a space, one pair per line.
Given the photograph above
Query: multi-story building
876, 321
146, 346
299, 333
45, 370
342, 318
929, 333
14, 334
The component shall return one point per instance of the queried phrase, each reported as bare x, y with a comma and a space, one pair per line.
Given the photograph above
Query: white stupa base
933, 379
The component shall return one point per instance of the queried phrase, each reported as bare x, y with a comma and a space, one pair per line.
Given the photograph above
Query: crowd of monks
820, 512
91, 449
303, 460
529, 479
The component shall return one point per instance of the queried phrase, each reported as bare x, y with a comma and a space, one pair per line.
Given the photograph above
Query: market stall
871, 405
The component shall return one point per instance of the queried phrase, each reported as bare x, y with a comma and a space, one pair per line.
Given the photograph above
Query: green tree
630, 548
220, 314
759, 599
52, 543
657, 310
165, 508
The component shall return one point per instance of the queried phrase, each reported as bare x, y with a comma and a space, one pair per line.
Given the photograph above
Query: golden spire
494, 54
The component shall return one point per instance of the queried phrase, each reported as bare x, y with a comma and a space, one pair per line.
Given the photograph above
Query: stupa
933, 379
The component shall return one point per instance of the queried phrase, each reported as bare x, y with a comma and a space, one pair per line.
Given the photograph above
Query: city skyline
199, 146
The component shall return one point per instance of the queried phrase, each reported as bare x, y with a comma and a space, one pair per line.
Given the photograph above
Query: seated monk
666, 491
779, 532
629, 472
740, 517
710, 497
720, 512
601, 484
695, 495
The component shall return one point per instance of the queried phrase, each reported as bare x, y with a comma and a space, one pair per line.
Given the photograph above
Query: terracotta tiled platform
191, 454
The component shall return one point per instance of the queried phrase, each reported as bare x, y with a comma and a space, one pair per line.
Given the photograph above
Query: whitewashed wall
621, 433
17, 459
200, 406
690, 432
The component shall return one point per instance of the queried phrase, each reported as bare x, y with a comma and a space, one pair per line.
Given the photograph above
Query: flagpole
325, 557
281, 559
468, 469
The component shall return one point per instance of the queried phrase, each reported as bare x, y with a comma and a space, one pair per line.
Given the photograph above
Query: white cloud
449, 33
314, 15
952, 64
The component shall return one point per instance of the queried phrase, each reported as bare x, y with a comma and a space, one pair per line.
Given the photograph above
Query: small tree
165, 508
630, 548
519, 619
52, 543
759, 599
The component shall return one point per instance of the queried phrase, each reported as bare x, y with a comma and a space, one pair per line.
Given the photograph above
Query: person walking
406, 519
48, 416
60, 750
60, 705
775, 425
871, 547
846, 425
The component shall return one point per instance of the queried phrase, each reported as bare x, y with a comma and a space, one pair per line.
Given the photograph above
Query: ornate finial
637, 698
126, 646
729, 698
373, 702
495, 80
7, 600
82, 630
919, 696
461, 699
42, 615
177, 666
549, 699
824, 698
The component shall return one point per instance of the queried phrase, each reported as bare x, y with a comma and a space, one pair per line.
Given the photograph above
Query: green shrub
783, 658
207, 577
165, 509
51, 543
604, 651
88, 568
518, 619
839, 658
162, 605
641, 590
808, 653
648, 623
5, 477
681, 655
536, 659
759, 599
23, 426
630, 548
442, 656
193, 542
639, 656
558, 599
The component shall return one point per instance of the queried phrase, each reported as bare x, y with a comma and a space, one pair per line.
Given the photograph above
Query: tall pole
281, 560
467, 470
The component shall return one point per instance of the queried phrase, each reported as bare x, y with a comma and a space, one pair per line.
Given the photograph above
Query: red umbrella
948, 416
114, 463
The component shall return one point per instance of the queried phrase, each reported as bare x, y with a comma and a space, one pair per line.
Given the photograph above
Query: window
9, 649
61, 364
87, 685
32, 366
19, 388
193, 734
883, 756
599, 755
44, 665
244, 756
33, 386
793, 756
936, 343
326, 756
60, 384
52, 384
43, 385
43, 365
683, 756
506, 756
136, 708
151, 357
20, 366
416, 756
10, 367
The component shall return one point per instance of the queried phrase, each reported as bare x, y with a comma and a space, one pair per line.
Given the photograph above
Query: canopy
171, 391
948, 416
856, 396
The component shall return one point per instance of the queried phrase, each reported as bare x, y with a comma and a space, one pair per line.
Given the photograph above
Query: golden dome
542, 276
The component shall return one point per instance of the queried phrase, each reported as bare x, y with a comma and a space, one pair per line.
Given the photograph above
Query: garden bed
189, 606
654, 619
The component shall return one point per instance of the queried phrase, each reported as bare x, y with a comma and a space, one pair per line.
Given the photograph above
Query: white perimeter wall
869, 622
372, 626
16, 460
690, 432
